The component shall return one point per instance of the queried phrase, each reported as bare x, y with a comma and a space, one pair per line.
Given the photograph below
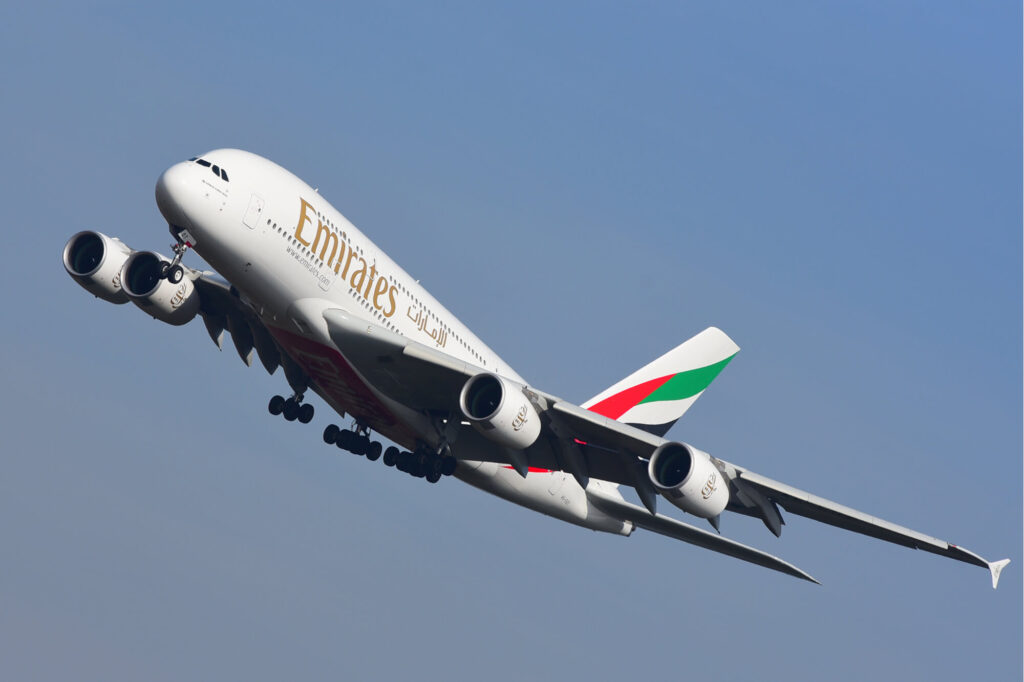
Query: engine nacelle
500, 411
95, 260
171, 303
689, 479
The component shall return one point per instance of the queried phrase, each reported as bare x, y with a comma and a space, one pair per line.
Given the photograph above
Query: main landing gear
357, 442
422, 463
292, 408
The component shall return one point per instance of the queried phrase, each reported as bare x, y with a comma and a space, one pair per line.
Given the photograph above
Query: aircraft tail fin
654, 397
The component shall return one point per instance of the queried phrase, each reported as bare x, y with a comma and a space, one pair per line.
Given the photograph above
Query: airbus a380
298, 285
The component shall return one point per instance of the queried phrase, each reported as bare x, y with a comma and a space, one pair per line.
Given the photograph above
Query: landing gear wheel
448, 465
373, 451
420, 465
360, 445
306, 413
391, 456
344, 440
331, 434
276, 405
434, 476
175, 274
291, 410
164, 269
403, 461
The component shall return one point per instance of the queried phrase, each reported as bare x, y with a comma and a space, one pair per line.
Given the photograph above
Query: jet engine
94, 260
500, 411
689, 479
159, 297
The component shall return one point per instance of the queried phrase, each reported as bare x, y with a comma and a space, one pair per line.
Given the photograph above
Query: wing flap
672, 528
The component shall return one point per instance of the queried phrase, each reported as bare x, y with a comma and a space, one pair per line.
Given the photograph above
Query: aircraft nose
172, 192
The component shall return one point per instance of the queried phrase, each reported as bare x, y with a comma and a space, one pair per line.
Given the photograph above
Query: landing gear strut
173, 272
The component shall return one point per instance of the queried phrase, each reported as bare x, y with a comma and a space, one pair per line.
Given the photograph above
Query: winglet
996, 567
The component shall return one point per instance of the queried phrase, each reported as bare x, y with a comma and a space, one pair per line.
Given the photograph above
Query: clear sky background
586, 185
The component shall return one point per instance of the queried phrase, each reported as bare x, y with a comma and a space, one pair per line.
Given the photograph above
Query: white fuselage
291, 255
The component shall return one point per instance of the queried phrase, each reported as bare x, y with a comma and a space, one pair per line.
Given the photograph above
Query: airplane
300, 287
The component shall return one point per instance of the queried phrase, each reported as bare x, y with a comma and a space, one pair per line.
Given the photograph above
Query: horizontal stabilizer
672, 528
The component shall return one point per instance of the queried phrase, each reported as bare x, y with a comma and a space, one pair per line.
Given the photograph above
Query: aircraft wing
813, 507
587, 444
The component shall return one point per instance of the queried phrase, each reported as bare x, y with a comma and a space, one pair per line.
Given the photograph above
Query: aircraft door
254, 212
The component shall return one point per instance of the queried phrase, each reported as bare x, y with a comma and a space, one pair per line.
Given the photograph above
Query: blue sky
837, 187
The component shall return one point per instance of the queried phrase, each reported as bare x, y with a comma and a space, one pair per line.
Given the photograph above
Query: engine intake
94, 260
168, 302
688, 478
500, 411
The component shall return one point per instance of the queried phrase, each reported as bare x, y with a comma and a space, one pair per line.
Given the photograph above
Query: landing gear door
254, 212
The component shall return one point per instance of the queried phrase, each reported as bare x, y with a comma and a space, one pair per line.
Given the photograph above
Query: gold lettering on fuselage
303, 219
329, 238
365, 274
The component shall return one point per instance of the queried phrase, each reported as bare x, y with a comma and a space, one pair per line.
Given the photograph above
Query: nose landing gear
173, 272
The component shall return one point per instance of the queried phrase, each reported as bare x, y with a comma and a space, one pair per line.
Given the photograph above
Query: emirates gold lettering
326, 245
378, 291
392, 292
348, 261
359, 275
341, 255
369, 281
329, 238
304, 213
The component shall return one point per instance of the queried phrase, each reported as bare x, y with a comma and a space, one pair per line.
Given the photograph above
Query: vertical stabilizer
657, 395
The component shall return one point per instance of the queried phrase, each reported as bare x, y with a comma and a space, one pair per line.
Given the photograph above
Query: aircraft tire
276, 405
448, 465
403, 462
359, 444
175, 274
373, 451
331, 434
306, 413
291, 410
434, 476
391, 456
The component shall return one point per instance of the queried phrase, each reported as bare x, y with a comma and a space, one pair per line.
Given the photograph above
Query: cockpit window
217, 170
